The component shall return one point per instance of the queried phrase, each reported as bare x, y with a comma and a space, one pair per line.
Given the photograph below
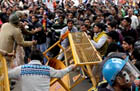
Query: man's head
113, 36
36, 55
3, 9
128, 43
41, 10
114, 10
70, 23
111, 26
130, 12
98, 27
117, 72
88, 11
14, 19
83, 27
45, 15
126, 21
61, 18
34, 18
87, 21
70, 15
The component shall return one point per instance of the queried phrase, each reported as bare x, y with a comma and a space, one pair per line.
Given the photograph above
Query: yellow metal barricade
84, 53
4, 81
63, 83
80, 52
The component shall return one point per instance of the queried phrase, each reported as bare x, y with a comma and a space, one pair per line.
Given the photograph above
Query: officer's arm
18, 37
3, 52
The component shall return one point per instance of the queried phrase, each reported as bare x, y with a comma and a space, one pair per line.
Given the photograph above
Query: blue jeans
48, 41
42, 48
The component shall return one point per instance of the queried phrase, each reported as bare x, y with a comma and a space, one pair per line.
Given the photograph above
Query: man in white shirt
34, 76
65, 43
134, 19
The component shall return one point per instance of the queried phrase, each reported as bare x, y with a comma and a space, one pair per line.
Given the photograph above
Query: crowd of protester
110, 27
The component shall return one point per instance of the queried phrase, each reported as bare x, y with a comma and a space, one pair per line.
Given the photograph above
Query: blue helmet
111, 68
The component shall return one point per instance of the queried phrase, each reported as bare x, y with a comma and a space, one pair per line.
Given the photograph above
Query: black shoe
11, 88
12, 82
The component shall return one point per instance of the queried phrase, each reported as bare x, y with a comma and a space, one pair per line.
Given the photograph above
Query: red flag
65, 35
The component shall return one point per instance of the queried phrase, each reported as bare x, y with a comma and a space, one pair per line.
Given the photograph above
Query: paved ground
83, 86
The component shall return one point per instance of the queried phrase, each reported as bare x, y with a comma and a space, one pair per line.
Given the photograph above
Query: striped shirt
35, 76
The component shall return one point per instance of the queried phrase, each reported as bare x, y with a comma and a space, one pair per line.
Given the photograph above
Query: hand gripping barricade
80, 52
4, 81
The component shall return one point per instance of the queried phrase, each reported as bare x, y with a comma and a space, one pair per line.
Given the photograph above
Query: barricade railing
80, 52
4, 81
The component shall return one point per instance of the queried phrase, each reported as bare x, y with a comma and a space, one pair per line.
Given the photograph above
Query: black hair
116, 8
101, 26
130, 40
35, 15
95, 17
31, 11
36, 55
61, 15
87, 19
70, 20
84, 25
25, 7
88, 5
114, 35
127, 19
113, 47
106, 14
113, 24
